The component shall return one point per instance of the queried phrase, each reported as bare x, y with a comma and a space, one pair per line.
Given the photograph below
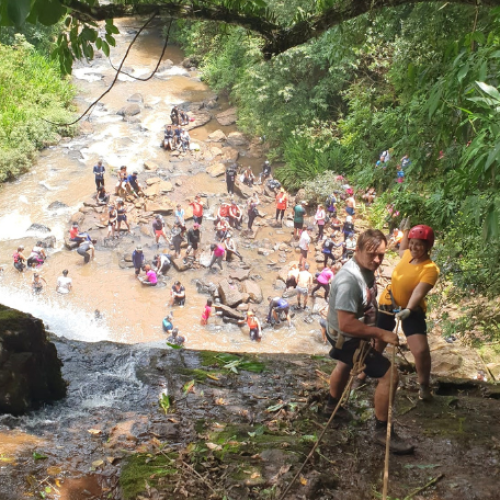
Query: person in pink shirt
320, 219
207, 312
324, 278
217, 255
150, 279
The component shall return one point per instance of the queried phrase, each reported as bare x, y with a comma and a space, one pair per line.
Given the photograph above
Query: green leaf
492, 156
18, 10
110, 40
49, 11
105, 49
165, 402
276, 407
187, 387
39, 456
173, 346
491, 91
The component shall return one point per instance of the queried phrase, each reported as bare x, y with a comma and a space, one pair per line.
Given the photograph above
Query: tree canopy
80, 17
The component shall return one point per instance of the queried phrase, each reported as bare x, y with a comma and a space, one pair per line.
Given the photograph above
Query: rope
358, 367
389, 421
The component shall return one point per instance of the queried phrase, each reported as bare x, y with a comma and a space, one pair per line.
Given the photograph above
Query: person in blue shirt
138, 260
134, 184
99, 174
277, 307
167, 324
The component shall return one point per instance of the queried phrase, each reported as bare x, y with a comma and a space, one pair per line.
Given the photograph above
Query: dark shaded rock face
30, 371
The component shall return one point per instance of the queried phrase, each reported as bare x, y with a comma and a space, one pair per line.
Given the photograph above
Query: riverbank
244, 432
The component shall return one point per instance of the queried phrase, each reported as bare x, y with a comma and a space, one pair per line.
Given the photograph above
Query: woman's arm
419, 292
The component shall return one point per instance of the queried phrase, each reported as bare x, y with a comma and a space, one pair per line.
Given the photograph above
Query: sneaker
398, 445
425, 393
342, 416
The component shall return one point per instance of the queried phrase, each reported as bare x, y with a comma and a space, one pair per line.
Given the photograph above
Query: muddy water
63, 173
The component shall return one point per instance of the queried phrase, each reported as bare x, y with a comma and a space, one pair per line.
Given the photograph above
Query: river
63, 173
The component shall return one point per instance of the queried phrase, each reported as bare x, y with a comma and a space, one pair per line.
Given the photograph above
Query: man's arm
348, 323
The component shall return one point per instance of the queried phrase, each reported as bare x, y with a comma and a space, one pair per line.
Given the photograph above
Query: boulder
49, 242
227, 117
189, 62
146, 230
77, 217
30, 371
86, 128
217, 136
39, 228
255, 149
253, 290
239, 274
129, 110
200, 119
214, 151
243, 190
167, 64
150, 165
164, 208
152, 180
166, 186
211, 104
137, 97
300, 196
229, 312
57, 205
237, 140
229, 154
216, 170
230, 294
153, 190
181, 266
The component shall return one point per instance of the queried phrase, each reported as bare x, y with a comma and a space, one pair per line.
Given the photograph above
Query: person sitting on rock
222, 229
185, 140
231, 250
369, 196
168, 139
174, 116
255, 327
235, 215
75, 235
177, 295
135, 187
175, 338
248, 178
177, 137
102, 197
150, 279
184, 118
163, 263
122, 183
37, 256
19, 259
266, 172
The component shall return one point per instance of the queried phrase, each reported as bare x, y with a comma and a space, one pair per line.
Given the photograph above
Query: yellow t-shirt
406, 277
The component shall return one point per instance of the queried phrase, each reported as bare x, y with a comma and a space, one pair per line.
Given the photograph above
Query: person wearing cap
299, 211
348, 227
234, 215
304, 242
281, 204
112, 218
350, 202
64, 284
150, 279
98, 172
138, 260
255, 327
177, 295
266, 172
159, 229
19, 259
193, 237
197, 207
134, 184
304, 284
175, 338
37, 284
412, 279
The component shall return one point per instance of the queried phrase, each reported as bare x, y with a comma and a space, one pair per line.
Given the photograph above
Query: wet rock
230, 312
146, 230
229, 294
57, 205
180, 265
130, 110
229, 154
253, 290
85, 209
243, 190
290, 292
211, 104
132, 119
75, 154
189, 62
178, 183
150, 165
255, 149
39, 228
153, 190
167, 64
217, 136
49, 242
216, 170
165, 208
70, 245
137, 97
227, 117
239, 274
214, 151
206, 288
30, 371
265, 251
237, 139
86, 128
166, 186
152, 180
200, 119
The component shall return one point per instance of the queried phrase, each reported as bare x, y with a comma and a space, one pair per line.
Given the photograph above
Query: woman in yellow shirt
412, 279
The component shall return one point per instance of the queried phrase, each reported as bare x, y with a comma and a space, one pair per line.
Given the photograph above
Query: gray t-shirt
353, 290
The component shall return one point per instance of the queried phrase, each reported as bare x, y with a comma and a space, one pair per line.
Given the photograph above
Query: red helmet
422, 232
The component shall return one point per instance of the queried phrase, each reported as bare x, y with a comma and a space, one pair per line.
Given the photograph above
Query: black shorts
303, 253
298, 225
197, 219
376, 363
415, 323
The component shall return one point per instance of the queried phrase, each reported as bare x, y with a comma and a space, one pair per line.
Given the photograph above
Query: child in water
207, 311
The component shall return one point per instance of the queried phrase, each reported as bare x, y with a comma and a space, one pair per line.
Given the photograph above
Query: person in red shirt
197, 209
281, 204
235, 215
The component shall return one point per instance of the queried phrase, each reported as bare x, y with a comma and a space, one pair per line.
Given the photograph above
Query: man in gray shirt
351, 319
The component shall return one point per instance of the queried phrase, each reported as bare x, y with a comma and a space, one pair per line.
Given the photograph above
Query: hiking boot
398, 445
342, 416
425, 393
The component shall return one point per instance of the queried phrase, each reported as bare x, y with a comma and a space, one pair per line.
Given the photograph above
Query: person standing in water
64, 284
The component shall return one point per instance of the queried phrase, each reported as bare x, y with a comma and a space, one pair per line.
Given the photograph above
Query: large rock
30, 371
229, 154
216, 170
239, 274
217, 136
227, 117
230, 294
70, 245
166, 186
150, 165
243, 190
253, 290
137, 97
86, 128
200, 119
237, 140
181, 266
164, 208
130, 110
152, 190
39, 228
230, 312
153, 180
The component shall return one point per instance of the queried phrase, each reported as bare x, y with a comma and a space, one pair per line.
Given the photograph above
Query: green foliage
31, 94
